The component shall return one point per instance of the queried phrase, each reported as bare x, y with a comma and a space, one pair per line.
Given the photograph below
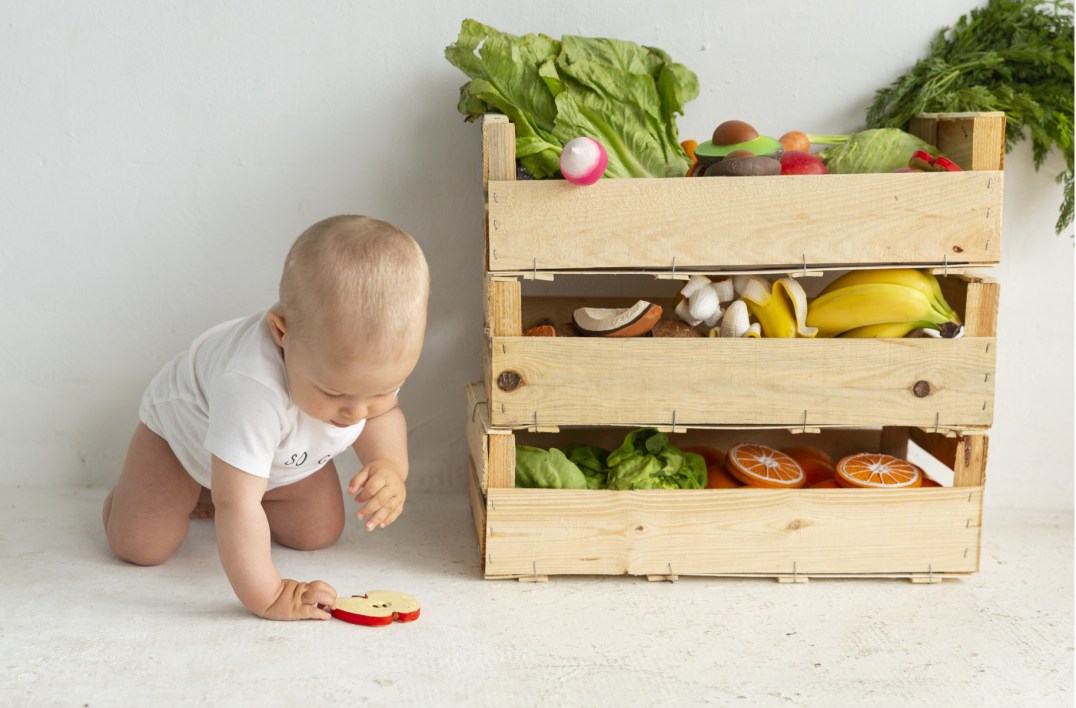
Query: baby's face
340, 390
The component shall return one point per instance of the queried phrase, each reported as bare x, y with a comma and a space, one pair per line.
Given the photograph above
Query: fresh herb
1014, 56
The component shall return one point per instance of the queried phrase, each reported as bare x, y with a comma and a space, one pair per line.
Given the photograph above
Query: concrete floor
85, 630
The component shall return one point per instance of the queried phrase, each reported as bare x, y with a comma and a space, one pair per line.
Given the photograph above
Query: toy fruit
718, 477
632, 321
762, 466
712, 455
813, 463
794, 162
733, 135
925, 162
583, 161
877, 471
377, 608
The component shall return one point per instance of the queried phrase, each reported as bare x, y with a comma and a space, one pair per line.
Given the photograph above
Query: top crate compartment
704, 224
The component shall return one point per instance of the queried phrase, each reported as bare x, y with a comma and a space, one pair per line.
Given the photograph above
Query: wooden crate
670, 383
678, 225
922, 534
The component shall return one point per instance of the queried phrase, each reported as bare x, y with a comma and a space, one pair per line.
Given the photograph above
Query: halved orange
717, 477
927, 480
801, 453
813, 462
762, 466
825, 484
712, 455
875, 470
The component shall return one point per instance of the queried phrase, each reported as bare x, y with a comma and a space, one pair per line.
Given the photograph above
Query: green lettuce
624, 95
591, 462
646, 460
548, 469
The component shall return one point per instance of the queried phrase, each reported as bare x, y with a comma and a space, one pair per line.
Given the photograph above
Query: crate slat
750, 531
759, 221
790, 382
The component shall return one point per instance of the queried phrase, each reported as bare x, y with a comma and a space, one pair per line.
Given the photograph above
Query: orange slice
927, 480
877, 471
762, 466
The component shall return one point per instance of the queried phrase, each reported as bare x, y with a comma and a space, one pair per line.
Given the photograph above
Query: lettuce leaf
624, 95
548, 469
591, 462
646, 460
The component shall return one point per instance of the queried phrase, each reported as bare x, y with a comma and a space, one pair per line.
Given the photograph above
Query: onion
583, 161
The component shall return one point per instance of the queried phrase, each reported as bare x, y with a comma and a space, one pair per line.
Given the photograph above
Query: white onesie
227, 395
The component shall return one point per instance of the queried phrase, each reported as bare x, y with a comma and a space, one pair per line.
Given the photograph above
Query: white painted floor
82, 629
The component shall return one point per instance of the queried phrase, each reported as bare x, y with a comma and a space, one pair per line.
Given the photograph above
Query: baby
257, 408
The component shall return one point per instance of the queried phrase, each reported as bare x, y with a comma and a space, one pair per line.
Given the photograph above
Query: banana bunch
891, 302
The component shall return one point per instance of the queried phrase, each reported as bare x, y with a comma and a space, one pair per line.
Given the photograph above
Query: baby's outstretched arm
382, 448
245, 552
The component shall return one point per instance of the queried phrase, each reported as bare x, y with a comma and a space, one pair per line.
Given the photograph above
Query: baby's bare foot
203, 509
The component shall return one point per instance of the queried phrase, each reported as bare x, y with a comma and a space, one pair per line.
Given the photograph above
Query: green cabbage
877, 150
617, 92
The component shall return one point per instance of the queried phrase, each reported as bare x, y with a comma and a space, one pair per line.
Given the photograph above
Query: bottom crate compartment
924, 534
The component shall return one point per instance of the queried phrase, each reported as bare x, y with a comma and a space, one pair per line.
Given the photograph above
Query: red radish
795, 162
583, 161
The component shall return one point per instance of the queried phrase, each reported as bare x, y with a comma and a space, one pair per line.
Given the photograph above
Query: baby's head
352, 310
356, 283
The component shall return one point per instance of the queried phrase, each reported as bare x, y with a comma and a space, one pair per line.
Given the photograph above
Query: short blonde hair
360, 280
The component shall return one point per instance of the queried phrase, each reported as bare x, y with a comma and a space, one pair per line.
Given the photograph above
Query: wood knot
794, 525
509, 381
921, 389
957, 249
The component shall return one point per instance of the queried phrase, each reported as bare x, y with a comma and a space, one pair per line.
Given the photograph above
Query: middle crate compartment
542, 383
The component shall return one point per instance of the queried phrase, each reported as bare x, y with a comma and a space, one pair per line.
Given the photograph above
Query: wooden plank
970, 461
981, 308
925, 127
503, 307
732, 531
894, 441
502, 462
764, 221
477, 429
661, 381
975, 141
498, 149
478, 511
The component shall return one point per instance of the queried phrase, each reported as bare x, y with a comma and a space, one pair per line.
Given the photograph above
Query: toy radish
377, 608
583, 161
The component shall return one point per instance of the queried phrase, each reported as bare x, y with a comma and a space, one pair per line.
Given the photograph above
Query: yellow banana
920, 280
889, 330
869, 304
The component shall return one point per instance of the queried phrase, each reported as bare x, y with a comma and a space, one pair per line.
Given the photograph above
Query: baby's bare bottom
147, 515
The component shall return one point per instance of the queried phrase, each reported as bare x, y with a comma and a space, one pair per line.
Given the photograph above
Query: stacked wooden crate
840, 395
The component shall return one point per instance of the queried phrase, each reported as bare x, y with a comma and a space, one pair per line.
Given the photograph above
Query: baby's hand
380, 485
301, 601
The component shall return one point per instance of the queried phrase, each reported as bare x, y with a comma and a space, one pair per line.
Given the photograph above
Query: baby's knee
139, 553
316, 537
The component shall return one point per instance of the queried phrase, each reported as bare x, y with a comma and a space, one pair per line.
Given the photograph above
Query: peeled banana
780, 309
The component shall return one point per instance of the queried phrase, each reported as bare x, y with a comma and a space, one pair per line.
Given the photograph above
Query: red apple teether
377, 608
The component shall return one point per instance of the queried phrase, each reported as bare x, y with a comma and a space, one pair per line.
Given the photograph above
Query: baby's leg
147, 514
309, 514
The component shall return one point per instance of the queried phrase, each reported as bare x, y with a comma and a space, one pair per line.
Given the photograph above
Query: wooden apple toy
377, 608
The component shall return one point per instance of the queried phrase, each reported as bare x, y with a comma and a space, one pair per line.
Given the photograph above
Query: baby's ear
277, 326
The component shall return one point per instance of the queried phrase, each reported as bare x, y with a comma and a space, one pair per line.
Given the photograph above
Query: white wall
157, 159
